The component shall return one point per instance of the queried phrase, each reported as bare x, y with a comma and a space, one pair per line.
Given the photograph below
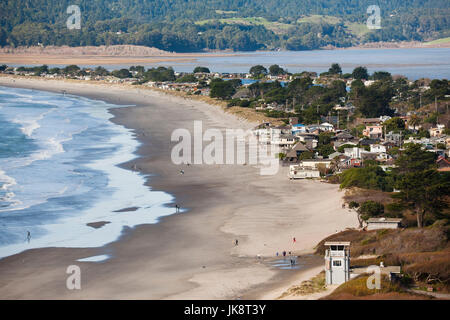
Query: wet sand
189, 255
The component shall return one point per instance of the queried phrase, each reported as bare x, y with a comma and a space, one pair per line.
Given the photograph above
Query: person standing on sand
294, 240
28, 236
236, 242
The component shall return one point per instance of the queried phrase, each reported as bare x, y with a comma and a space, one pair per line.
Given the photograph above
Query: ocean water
59, 157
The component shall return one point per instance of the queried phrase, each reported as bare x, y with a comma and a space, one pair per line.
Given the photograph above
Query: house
300, 172
383, 223
338, 144
438, 131
344, 137
298, 128
284, 140
369, 156
395, 138
305, 137
443, 164
354, 152
377, 148
295, 152
326, 126
367, 142
368, 121
373, 132
315, 163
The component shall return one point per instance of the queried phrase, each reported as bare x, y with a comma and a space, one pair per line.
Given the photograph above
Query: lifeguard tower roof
338, 243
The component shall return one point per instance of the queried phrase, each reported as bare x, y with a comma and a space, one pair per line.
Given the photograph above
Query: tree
71, 69
201, 70
381, 75
374, 100
276, 70
122, 73
335, 69
366, 210
414, 121
100, 71
258, 71
221, 89
360, 73
187, 78
422, 187
395, 124
355, 206
370, 209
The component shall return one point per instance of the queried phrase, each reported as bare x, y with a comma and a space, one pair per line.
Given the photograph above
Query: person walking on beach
28, 236
236, 242
294, 240
177, 208
284, 253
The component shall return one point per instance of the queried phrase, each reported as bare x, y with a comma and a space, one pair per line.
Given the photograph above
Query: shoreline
189, 255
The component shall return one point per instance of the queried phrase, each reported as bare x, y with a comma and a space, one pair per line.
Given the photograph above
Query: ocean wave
28, 126
81, 181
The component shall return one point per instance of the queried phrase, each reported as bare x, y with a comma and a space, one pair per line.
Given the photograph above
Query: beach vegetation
370, 177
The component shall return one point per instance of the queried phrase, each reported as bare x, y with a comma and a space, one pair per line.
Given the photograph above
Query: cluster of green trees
172, 24
311, 103
423, 189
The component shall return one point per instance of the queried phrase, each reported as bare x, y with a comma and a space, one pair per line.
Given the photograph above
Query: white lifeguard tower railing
337, 262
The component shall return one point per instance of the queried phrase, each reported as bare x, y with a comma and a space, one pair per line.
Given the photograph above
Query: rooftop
384, 220
337, 243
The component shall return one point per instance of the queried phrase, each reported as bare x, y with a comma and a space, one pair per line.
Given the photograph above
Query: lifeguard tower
337, 262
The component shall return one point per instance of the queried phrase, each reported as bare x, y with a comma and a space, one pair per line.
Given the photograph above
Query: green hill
196, 25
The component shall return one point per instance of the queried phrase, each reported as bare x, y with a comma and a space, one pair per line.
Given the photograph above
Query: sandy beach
188, 255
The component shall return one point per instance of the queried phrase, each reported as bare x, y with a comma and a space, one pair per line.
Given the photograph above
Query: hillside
196, 25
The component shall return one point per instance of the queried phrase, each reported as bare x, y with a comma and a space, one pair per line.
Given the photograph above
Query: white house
283, 140
314, 163
300, 172
377, 148
383, 223
354, 152
326, 126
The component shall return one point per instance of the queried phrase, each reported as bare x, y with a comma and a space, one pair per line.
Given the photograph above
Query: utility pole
437, 113
318, 115
338, 121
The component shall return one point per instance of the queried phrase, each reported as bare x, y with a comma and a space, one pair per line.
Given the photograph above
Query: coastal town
317, 138
383, 138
